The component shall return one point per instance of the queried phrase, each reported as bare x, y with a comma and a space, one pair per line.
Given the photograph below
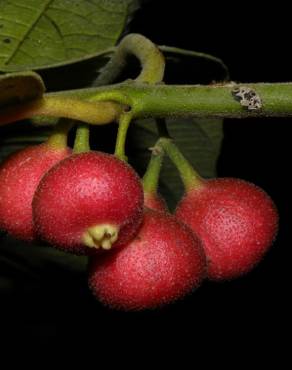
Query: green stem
151, 59
151, 176
58, 139
81, 143
152, 63
124, 123
61, 105
157, 101
188, 175
213, 101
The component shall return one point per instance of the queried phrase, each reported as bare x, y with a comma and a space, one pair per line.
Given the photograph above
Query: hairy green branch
216, 100
147, 100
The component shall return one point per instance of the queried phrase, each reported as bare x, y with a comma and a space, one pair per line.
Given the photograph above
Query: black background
60, 312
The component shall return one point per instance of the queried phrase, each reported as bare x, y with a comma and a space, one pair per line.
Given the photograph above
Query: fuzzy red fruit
87, 202
236, 221
19, 177
163, 263
155, 201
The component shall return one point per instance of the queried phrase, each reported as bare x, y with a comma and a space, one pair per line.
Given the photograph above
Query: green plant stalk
151, 176
152, 71
124, 122
213, 101
189, 176
96, 113
81, 142
151, 59
58, 139
106, 78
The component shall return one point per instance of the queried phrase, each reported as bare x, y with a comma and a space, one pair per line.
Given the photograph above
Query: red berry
163, 263
19, 177
89, 200
236, 221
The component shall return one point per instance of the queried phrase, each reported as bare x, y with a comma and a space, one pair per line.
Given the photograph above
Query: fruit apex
101, 236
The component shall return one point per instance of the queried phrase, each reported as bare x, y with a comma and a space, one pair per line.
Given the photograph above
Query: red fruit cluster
78, 202
92, 202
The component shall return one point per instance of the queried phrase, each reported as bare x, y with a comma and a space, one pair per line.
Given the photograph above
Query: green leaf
46, 33
198, 139
19, 87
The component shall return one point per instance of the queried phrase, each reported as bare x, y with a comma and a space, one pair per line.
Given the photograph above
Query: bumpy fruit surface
163, 263
236, 221
19, 177
87, 202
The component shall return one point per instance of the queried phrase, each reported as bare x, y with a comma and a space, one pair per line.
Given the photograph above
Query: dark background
59, 311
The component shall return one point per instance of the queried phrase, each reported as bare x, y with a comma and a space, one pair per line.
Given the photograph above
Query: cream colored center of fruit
100, 236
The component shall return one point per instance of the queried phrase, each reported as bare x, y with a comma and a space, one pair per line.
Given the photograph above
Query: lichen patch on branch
247, 98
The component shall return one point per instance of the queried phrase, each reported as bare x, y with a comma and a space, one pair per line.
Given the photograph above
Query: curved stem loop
151, 59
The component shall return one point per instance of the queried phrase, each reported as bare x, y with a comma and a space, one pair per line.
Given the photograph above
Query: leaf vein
88, 35
22, 6
82, 17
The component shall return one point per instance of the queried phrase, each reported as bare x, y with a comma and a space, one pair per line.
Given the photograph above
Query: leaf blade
38, 34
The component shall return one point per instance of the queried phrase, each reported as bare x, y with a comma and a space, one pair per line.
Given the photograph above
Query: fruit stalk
124, 123
81, 143
58, 139
189, 176
151, 176
152, 199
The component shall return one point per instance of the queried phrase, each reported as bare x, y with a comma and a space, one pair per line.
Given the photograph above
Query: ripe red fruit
164, 262
236, 221
88, 201
19, 177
